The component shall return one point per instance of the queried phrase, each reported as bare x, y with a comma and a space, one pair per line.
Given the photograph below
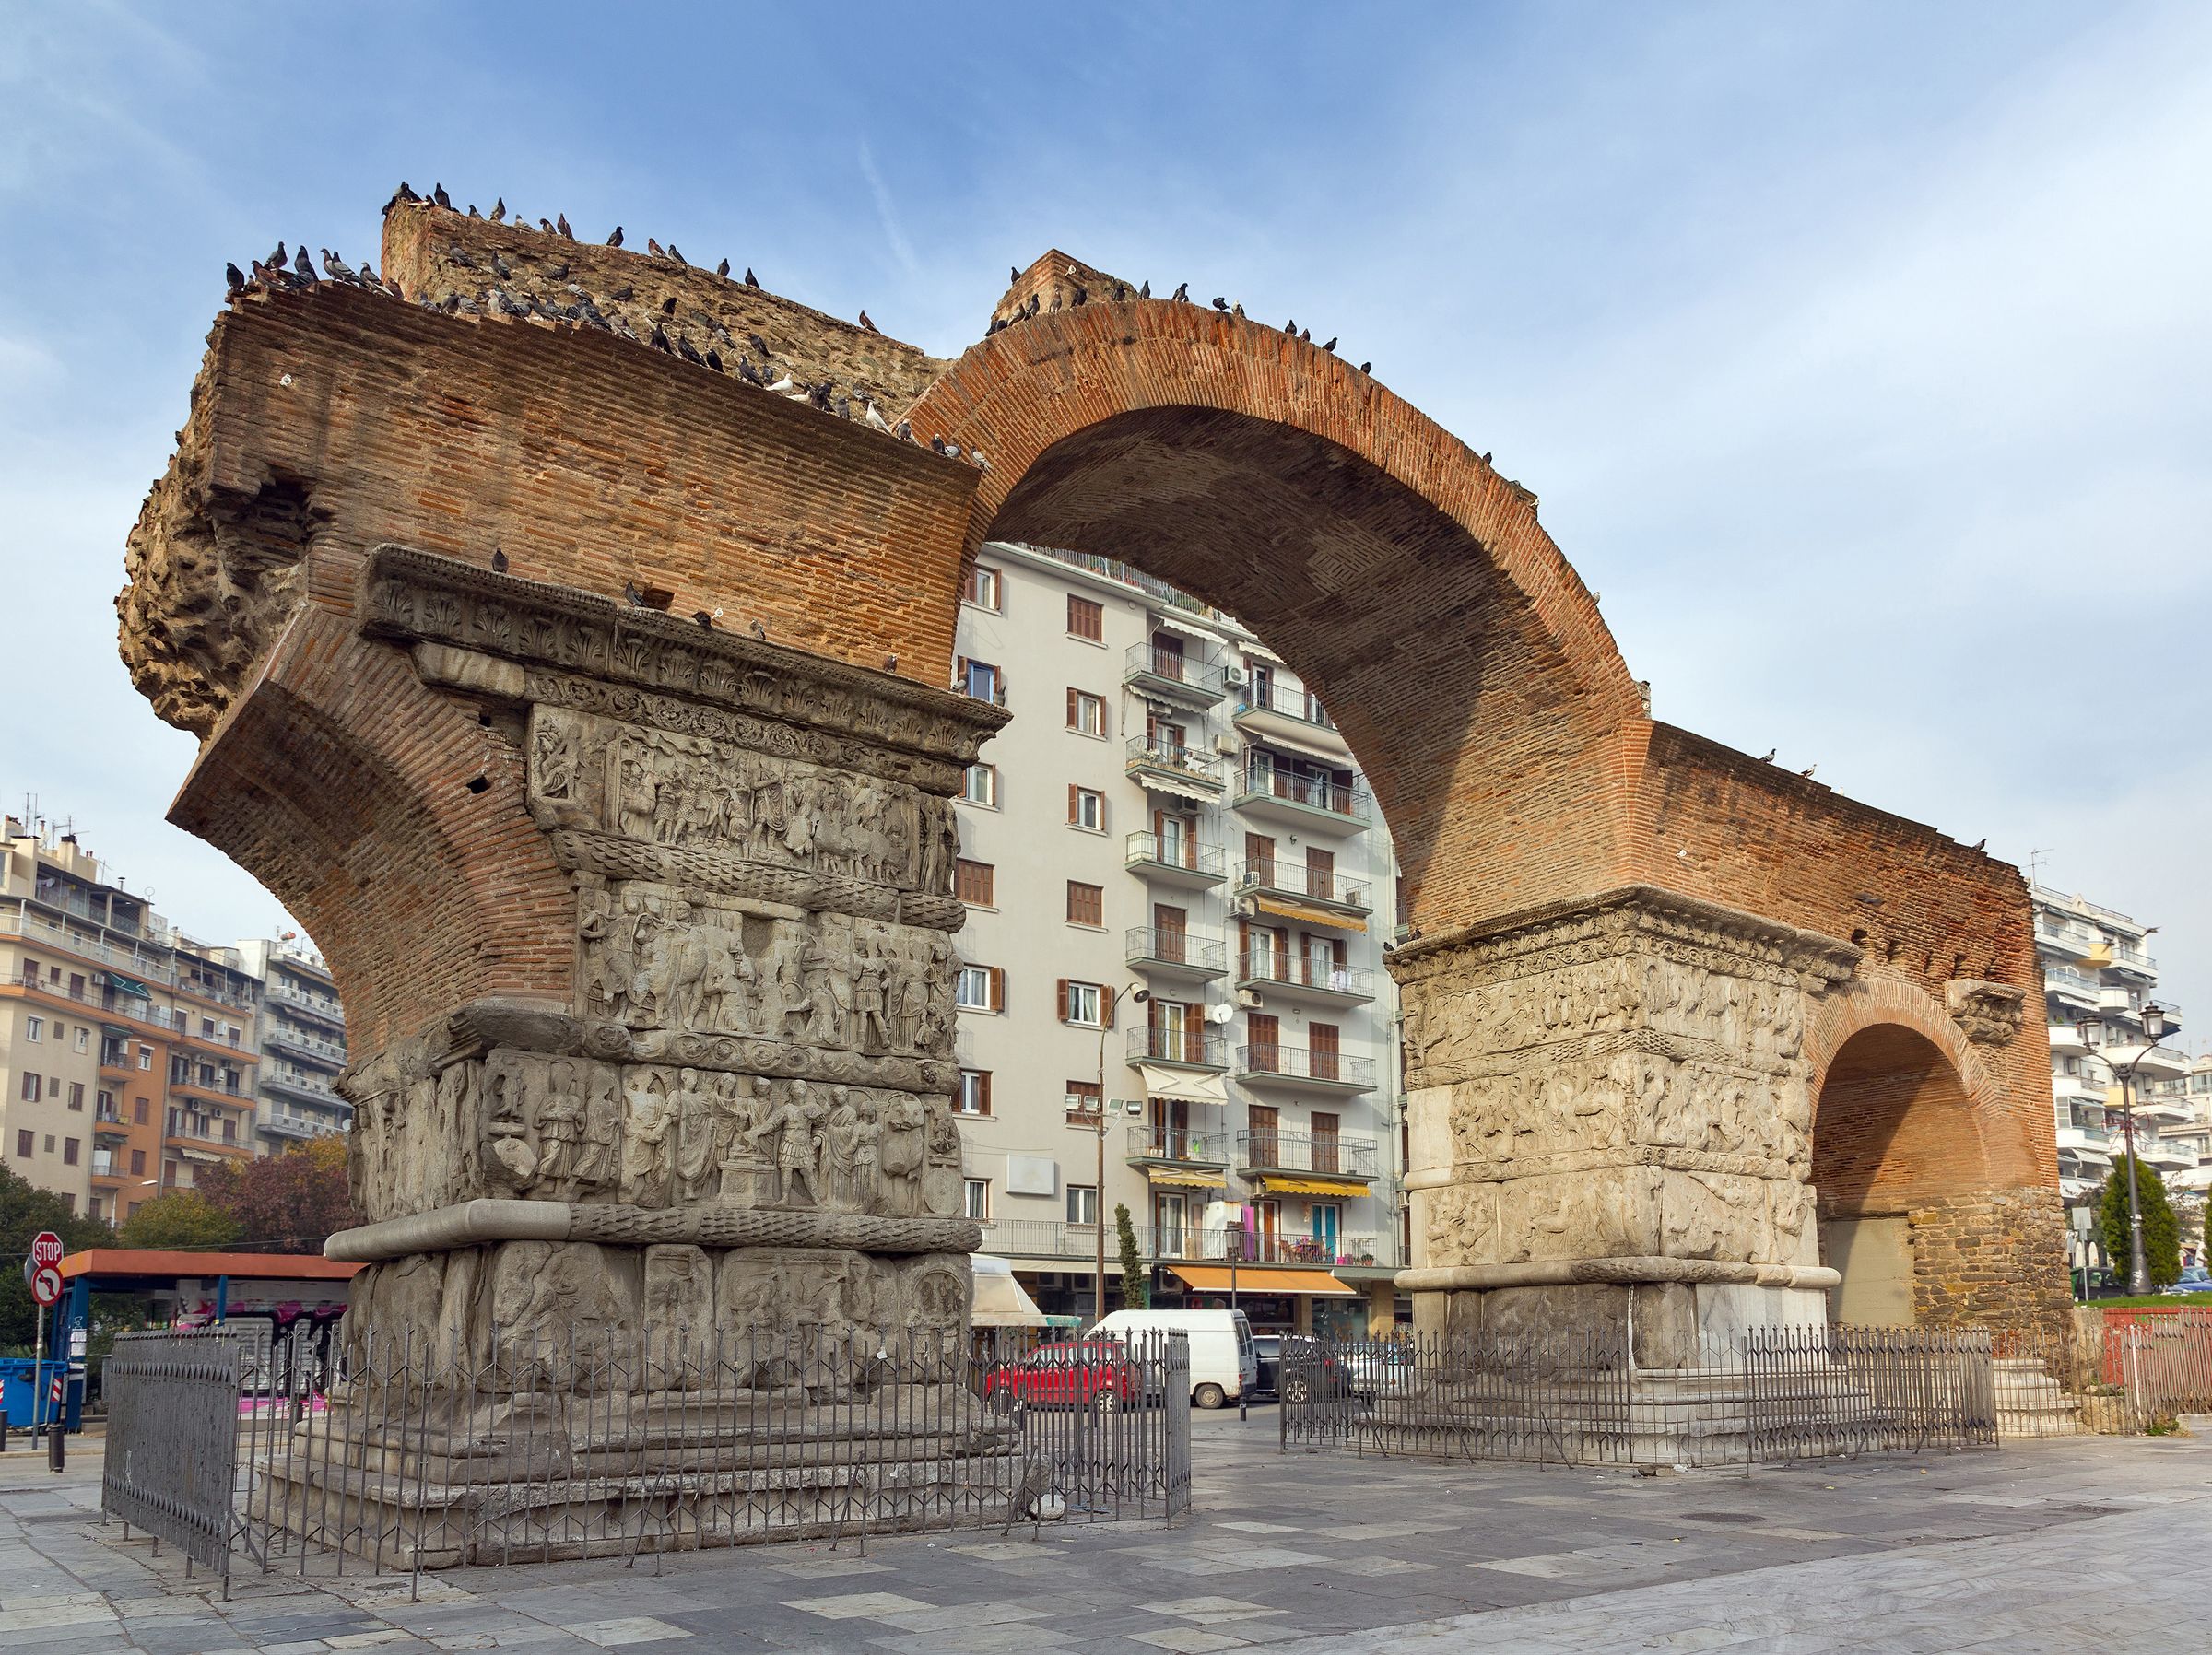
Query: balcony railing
1184, 856
1301, 971
1191, 1242
318, 1006
285, 1038
1115, 569
1280, 878
1149, 1045
1266, 781
298, 1126
1198, 953
1301, 705
1178, 1143
1190, 674
1192, 764
297, 1087
1307, 1151
1296, 1064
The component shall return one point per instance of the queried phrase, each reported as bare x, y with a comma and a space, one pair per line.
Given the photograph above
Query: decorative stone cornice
1989, 1013
480, 1223
420, 597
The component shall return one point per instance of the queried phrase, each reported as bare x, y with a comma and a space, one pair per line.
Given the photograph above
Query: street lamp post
2154, 1028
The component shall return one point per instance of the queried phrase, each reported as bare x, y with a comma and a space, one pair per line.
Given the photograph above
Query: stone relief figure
696, 1168
941, 1181
553, 756
794, 1164
598, 1160
506, 1154
679, 1326
840, 1142
899, 1153
559, 1130
728, 985
610, 938
743, 1170
867, 1158
646, 1163
554, 1301
871, 985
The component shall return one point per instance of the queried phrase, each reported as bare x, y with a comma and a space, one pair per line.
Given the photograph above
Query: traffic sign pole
41, 1271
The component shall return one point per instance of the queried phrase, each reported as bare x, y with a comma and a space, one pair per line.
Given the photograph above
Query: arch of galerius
606, 887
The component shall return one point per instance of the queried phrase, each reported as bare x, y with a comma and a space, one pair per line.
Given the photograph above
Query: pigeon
615, 239
623, 294
405, 193
660, 340
688, 351
676, 255
714, 360
1331, 346
1145, 291
278, 260
1768, 757
722, 269
454, 255
499, 561
1220, 303
500, 267
557, 273
1306, 337
788, 387
759, 628
937, 443
1291, 327
904, 431
1366, 367
842, 408
560, 223
629, 591
302, 268
1808, 771
870, 326
498, 210
668, 306
869, 412
748, 277
336, 268
703, 618
439, 195
234, 277
1980, 844
1182, 295
1082, 297
820, 396
998, 324
1237, 309
761, 345
653, 247
472, 211
750, 374
890, 663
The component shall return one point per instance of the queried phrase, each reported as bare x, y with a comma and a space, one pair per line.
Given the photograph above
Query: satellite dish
1219, 1014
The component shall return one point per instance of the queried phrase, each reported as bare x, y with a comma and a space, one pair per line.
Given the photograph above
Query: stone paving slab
2073, 1544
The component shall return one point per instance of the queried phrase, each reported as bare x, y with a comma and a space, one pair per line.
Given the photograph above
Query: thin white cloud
886, 214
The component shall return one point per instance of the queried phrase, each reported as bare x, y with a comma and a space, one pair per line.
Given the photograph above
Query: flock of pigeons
1079, 295
509, 293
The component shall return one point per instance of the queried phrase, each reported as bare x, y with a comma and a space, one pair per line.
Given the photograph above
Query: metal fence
2124, 1374
1572, 1398
295, 1450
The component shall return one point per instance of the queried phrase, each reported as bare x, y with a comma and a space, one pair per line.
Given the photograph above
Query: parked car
1312, 1369
2194, 1278
1378, 1367
1070, 1373
1222, 1365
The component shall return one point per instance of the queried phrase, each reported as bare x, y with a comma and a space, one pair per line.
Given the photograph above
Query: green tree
290, 1202
2161, 1233
1136, 1281
25, 1210
179, 1218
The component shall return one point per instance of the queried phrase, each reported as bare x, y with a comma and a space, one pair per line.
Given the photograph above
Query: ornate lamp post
2122, 1062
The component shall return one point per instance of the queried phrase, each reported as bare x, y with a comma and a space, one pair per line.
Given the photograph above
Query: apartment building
1171, 991
2099, 975
124, 1062
300, 1036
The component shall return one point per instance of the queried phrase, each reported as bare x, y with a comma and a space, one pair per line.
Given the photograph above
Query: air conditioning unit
1226, 745
1219, 1014
1251, 998
1245, 907
1234, 676
1133, 1106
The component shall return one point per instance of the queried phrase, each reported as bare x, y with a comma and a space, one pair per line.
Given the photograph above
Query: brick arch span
1393, 567
346, 787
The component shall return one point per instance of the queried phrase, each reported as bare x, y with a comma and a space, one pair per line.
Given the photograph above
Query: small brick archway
1389, 564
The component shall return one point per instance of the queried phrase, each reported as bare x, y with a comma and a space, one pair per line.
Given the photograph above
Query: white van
1223, 1366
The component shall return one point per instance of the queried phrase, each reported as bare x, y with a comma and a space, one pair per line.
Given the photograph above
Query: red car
1075, 1373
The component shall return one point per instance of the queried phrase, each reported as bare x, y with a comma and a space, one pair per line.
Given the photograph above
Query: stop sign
45, 1249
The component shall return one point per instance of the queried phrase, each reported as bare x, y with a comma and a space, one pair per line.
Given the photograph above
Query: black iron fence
403, 1454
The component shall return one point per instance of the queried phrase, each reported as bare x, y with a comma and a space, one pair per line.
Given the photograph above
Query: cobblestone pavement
2070, 1545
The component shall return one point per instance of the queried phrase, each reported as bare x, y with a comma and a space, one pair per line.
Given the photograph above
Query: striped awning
1321, 1185
125, 985
1283, 910
1260, 1278
1171, 624
1182, 790
1181, 1180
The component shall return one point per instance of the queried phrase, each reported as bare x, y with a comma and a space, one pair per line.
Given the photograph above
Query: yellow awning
1262, 1278
1309, 916
1184, 1181
1314, 1186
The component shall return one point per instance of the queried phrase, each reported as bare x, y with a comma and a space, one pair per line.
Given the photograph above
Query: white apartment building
301, 1034
1173, 996
2098, 977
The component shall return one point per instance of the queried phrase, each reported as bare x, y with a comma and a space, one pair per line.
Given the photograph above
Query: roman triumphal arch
568, 650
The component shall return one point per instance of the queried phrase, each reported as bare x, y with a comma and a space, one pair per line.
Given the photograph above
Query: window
980, 785
1085, 1005
973, 882
975, 1095
145, 1057
1087, 809
1085, 618
138, 1163
76, 1094
84, 1039
983, 587
978, 1198
980, 989
206, 1029
230, 1130
1082, 1203
981, 680
138, 1111
34, 1086
1085, 903
34, 1029
1085, 713
69, 1152
24, 1144
1084, 1099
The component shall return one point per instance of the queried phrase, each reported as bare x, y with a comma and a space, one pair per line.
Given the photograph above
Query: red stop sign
46, 1250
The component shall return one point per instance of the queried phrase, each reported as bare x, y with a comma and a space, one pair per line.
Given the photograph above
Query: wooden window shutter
998, 988
1106, 1002
1071, 709
959, 672
1063, 992
1072, 791
985, 1100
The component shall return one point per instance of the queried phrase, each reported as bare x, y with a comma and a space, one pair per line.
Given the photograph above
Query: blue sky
1862, 355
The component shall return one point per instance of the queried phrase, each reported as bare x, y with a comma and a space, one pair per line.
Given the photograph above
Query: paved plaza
2067, 1546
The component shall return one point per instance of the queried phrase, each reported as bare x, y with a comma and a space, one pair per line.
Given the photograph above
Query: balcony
205, 1135
1295, 1069
1187, 1243
294, 1085
1190, 955
1324, 1154
1177, 1146
1189, 677
2133, 961
2164, 1110
2068, 1039
307, 1047
1179, 1049
1187, 772
1184, 863
322, 1006
1307, 889
1299, 978
1270, 712
2077, 987
279, 1125
1267, 794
